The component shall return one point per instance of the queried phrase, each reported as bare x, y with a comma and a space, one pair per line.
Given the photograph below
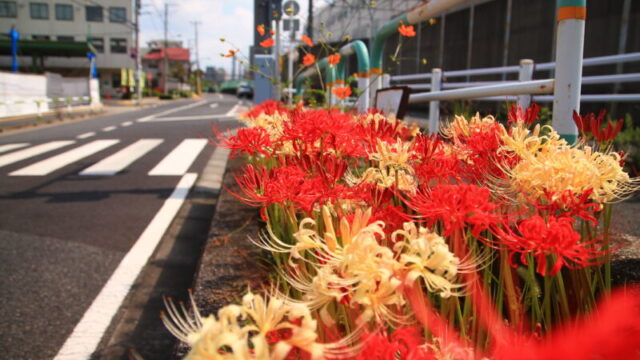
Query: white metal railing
521, 90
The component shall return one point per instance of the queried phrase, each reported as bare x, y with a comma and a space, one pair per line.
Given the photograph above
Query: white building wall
108, 63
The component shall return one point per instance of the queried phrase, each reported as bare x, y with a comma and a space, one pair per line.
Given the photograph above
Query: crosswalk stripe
180, 159
123, 158
54, 163
32, 151
9, 147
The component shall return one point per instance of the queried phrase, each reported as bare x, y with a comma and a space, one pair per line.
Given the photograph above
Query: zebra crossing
175, 162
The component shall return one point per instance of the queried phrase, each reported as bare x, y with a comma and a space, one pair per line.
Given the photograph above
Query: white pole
525, 74
434, 106
292, 49
278, 95
363, 100
569, 51
375, 85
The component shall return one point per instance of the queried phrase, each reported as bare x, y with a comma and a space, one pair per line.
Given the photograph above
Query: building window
119, 46
39, 10
65, 38
116, 80
98, 43
117, 14
41, 37
8, 9
64, 12
94, 13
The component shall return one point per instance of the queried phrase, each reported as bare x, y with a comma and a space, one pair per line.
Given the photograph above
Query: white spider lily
424, 254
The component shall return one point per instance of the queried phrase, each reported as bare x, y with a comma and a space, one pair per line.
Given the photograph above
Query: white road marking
54, 163
123, 158
86, 135
126, 123
220, 96
214, 105
180, 159
9, 147
187, 118
32, 151
171, 111
86, 336
109, 128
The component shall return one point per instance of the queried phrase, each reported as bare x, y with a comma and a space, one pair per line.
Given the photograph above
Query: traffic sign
291, 8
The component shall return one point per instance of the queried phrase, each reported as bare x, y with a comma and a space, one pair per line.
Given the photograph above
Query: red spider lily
341, 92
556, 237
404, 343
307, 40
590, 124
260, 29
267, 43
432, 163
570, 204
393, 217
263, 187
456, 207
479, 150
268, 107
611, 331
324, 131
529, 117
406, 30
334, 59
309, 60
250, 141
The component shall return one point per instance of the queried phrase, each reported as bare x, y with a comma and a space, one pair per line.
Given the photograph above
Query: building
215, 75
106, 25
179, 61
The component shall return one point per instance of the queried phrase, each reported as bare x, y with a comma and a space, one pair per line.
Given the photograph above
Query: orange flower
406, 30
231, 53
307, 40
272, 32
342, 91
334, 59
267, 43
308, 60
260, 29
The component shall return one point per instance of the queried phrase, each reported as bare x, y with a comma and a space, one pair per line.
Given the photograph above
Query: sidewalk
76, 113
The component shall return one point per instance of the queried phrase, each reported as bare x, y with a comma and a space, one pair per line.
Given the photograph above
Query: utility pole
138, 55
198, 72
310, 20
165, 61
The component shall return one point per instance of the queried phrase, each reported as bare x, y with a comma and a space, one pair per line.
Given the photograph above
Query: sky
230, 19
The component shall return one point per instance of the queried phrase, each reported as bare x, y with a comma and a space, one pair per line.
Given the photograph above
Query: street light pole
198, 81
138, 55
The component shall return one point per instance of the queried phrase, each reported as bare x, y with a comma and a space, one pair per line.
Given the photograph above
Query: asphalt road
75, 198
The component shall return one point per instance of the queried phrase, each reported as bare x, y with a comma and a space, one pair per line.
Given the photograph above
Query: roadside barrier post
434, 106
569, 51
525, 74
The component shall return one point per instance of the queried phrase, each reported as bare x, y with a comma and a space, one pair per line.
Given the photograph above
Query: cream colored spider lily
549, 165
462, 127
424, 254
352, 269
257, 329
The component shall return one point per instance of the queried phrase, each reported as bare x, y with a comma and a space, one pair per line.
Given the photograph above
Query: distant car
244, 91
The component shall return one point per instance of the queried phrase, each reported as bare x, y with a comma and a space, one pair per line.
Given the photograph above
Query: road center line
109, 128
86, 135
214, 105
86, 336
171, 111
126, 123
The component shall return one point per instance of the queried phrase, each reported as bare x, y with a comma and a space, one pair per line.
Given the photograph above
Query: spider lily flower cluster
387, 243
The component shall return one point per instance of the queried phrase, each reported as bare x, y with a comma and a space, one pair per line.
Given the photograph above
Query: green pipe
382, 35
362, 54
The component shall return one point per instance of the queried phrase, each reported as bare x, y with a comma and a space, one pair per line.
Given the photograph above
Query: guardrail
519, 91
